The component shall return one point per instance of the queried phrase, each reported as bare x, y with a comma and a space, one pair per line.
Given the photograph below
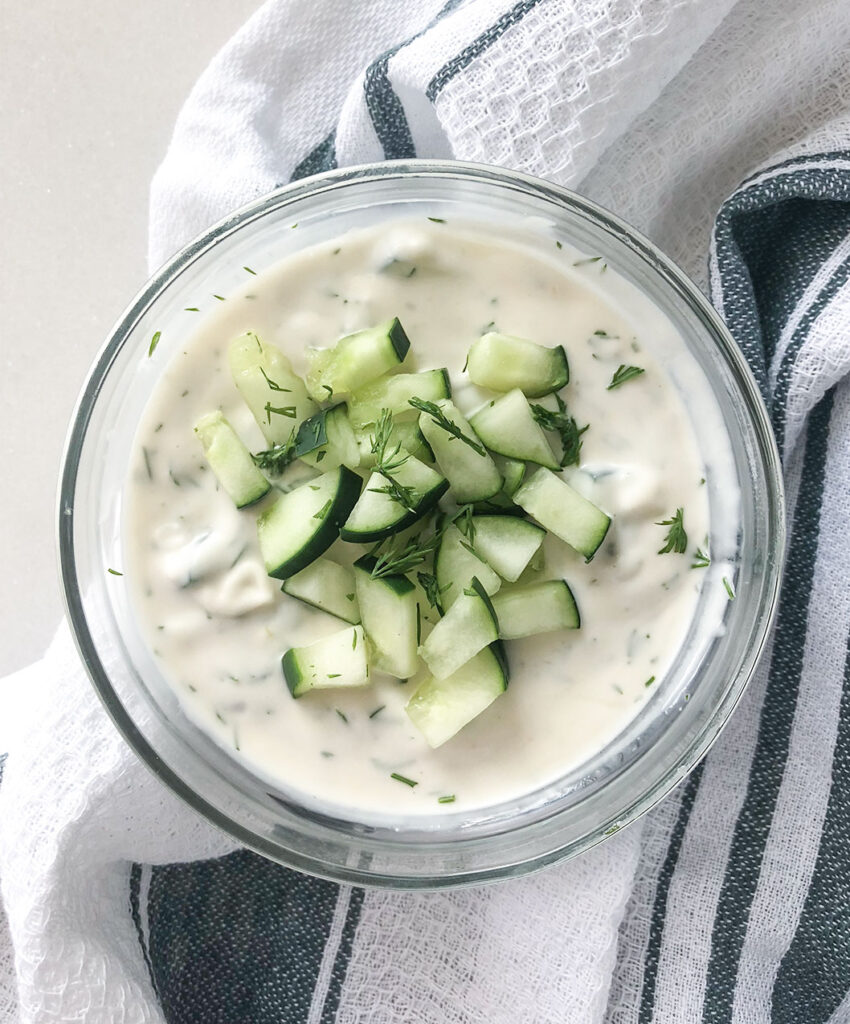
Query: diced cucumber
562, 510
513, 473
506, 543
326, 585
507, 426
471, 472
337, 660
405, 433
388, 610
230, 460
377, 514
326, 440
303, 523
394, 393
267, 382
536, 608
455, 563
440, 708
355, 360
502, 362
468, 626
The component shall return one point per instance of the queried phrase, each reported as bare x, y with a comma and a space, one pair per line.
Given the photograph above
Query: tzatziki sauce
218, 625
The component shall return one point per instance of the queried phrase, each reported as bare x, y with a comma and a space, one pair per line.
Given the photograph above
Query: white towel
731, 901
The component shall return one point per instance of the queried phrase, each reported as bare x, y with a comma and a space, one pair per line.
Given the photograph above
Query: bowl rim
280, 197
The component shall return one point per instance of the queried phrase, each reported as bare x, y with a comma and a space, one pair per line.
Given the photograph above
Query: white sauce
219, 628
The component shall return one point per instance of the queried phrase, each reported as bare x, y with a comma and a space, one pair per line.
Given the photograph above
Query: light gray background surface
88, 96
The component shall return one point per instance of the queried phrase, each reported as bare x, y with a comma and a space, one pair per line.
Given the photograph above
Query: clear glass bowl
658, 748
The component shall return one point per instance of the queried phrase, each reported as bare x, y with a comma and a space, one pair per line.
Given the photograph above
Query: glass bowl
671, 732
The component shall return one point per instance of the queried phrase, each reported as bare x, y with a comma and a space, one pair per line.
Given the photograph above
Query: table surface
90, 93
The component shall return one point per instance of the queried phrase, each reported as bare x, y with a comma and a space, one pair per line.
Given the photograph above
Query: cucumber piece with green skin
394, 393
328, 586
468, 627
356, 360
502, 362
388, 612
326, 440
455, 564
303, 523
230, 460
507, 426
471, 473
266, 381
405, 433
563, 511
513, 473
440, 708
506, 543
536, 608
339, 660
378, 515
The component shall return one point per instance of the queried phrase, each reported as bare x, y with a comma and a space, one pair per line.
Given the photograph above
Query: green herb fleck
610, 831
436, 220
341, 714
622, 374
154, 343
729, 589
191, 309
377, 711
354, 641
329, 390
589, 259
448, 799
404, 779
273, 385
388, 461
433, 591
115, 572
677, 539
220, 298
281, 410
440, 418
398, 558
349, 597
320, 455
250, 271
334, 675
650, 681
701, 560
276, 459
568, 431
147, 457
558, 245
323, 511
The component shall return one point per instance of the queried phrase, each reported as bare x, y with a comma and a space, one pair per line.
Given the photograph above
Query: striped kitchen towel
730, 902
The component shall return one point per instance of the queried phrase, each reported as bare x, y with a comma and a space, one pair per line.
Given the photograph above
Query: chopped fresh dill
677, 539
449, 798
191, 309
341, 713
273, 385
437, 220
463, 521
397, 558
650, 681
440, 418
729, 589
323, 511
115, 572
701, 560
622, 374
220, 298
321, 454
586, 261
565, 427
329, 390
354, 641
250, 271
389, 460
433, 590
349, 597
154, 343
281, 410
334, 675
147, 457
404, 779
377, 711
558, 245
277, 458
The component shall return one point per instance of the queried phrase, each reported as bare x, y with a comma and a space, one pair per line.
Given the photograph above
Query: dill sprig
433, 590
677, 539
564, 426
276, 459
701, 559
389, 460
397, 559
624, 373
273, 385
440, 418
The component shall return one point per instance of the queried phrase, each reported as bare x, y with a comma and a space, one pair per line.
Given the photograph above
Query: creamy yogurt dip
218, 624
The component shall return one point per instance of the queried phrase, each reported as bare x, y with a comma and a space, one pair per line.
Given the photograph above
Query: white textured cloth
713, 907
